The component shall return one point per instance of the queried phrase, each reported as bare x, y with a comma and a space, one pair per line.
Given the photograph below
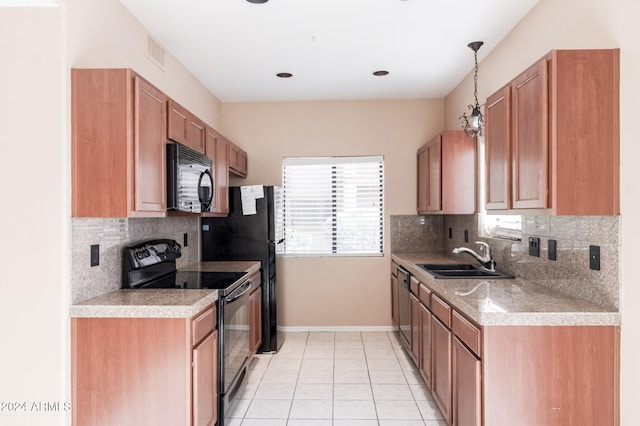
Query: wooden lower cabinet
467, 386
425, 343
415, 329
144, 371
441, 367
205, 375
551, 375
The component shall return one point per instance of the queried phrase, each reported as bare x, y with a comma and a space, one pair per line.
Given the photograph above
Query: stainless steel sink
459, 271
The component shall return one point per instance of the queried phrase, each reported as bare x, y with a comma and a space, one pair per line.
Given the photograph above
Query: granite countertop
158, 303
506, 301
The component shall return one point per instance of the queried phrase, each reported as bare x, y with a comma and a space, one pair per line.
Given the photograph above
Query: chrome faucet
485, 259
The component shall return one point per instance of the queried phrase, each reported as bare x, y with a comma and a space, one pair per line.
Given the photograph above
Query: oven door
235, 345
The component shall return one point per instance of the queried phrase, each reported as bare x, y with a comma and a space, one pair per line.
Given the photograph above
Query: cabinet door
255, 327
196, 134
530, 145
415, 329
216, 148
222, 175
178, 123
149, 148
422, 180
497, 149
237, 160
425, 338
441, 367
466, 386
434, 175
205, 397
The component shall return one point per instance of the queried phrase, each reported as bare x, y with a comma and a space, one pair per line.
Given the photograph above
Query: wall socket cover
534, 246
553, 247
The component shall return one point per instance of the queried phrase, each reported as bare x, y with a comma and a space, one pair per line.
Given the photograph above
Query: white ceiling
332, 47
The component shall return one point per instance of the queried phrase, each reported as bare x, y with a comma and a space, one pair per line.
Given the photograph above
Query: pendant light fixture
472, 124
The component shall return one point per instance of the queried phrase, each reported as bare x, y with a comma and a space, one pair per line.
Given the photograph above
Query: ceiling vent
155, 52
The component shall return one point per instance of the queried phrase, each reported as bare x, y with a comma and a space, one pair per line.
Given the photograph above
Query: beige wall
103, 34
38, 47
567, 24
336, 291
33, 359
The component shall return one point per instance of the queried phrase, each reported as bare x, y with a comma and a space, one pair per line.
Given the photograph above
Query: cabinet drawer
414, 285
203, 324
468, 333
424, 294
441, 310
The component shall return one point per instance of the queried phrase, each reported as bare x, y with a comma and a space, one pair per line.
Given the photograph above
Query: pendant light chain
475, 78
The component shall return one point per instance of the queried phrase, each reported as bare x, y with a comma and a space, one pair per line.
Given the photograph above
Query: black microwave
189, 180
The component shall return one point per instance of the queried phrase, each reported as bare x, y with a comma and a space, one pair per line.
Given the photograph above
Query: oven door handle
242, 289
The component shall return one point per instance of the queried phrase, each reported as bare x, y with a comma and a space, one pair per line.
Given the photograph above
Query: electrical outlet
534, 246
95, 255
185, 239
594, 257
553, 247
466, 236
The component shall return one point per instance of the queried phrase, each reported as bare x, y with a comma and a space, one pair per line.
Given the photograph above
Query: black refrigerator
252, 231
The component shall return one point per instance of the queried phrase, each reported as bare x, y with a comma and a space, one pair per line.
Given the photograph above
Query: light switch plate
594, 257
95, 255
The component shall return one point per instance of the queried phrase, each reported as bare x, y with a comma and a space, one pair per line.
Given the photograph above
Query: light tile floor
336, 378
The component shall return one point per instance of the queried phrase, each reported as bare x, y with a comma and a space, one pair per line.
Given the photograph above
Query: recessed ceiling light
257, 1
380, 73
283, 74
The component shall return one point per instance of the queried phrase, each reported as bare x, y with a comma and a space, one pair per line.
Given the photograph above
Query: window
333, 206
501, 226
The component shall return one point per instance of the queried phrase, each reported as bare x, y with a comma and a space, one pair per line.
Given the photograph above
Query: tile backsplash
113, 235
569, 274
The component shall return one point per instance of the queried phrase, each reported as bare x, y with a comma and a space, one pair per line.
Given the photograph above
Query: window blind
333, 205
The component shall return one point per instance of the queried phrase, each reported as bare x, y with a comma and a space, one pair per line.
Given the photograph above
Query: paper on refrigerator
249, 195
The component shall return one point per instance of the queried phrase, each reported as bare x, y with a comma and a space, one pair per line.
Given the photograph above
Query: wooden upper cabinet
498, 149
530, 137
552, 136
186, 128
217, 148
119, 125
585, 131
434, 175
149, 147
237, 160
446, 174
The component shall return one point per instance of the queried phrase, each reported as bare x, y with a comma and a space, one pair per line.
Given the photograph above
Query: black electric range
152, 264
